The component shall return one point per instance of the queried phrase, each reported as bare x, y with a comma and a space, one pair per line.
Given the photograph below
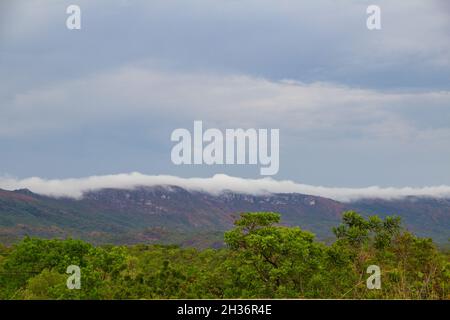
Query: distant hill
170, 214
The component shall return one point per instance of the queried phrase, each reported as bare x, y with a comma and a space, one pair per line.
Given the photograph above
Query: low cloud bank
75, 188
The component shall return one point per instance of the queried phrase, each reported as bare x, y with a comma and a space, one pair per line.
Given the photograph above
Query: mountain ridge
172, 214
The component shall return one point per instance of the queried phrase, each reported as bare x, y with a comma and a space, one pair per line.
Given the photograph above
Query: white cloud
216, 184
300, 108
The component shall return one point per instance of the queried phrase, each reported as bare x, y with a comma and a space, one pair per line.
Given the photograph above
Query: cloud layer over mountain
216, 184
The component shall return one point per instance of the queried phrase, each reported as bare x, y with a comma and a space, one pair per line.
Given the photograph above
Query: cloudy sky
355, 108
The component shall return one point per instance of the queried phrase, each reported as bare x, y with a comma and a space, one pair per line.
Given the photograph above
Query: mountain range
171, 214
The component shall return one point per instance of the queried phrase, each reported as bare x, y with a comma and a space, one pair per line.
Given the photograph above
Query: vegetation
261, 260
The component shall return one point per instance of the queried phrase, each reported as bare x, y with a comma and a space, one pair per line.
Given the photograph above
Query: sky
355, 107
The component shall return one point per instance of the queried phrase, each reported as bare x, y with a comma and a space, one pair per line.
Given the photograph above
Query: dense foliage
261, 260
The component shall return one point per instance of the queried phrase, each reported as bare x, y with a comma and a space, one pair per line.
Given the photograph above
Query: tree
270, 260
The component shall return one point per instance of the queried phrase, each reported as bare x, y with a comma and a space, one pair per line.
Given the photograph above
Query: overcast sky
354, 107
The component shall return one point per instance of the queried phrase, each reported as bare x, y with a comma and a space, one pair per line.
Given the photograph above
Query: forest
260, 258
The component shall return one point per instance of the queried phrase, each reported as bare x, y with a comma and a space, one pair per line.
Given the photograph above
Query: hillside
170, 214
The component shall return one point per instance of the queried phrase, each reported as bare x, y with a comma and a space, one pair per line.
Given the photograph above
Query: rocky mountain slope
170, 214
